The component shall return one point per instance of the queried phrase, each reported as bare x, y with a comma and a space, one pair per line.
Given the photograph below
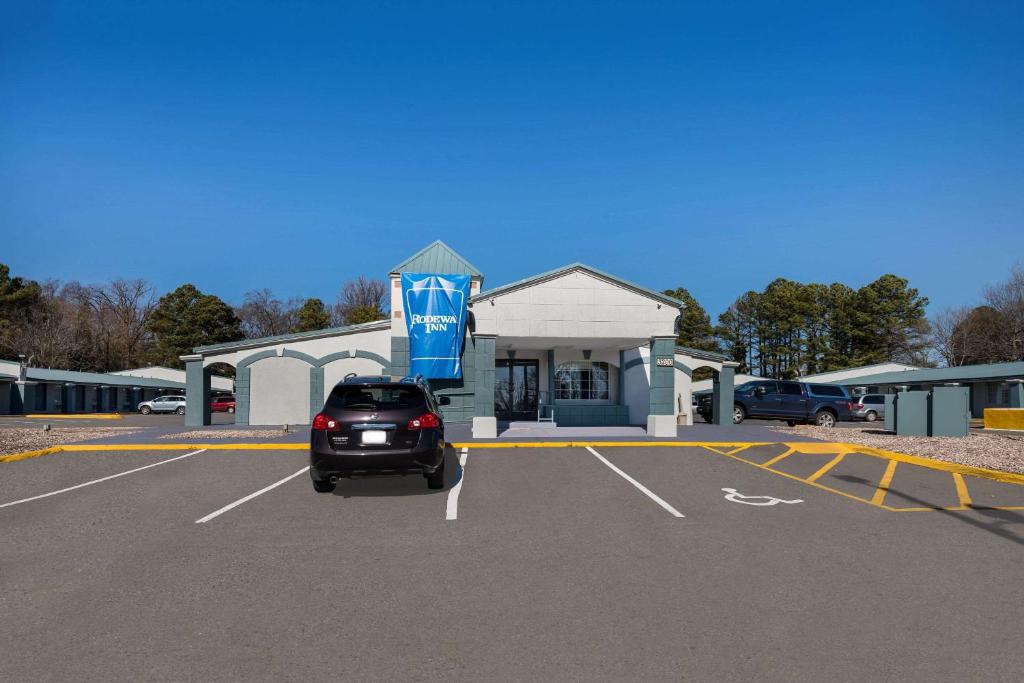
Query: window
791, 389
769, 388
826, 390
375, 399
873, 400
582, 380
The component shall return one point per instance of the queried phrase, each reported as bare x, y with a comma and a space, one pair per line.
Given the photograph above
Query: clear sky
293, 145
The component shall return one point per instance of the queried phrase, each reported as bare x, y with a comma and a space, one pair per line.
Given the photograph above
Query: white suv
163, 404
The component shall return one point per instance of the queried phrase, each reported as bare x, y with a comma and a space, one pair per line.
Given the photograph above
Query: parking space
723, 562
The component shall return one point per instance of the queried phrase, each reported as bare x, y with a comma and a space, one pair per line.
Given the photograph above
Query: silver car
163, 404
869, 407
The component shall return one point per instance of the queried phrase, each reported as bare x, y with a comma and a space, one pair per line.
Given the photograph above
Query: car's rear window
826, 390
375, 398
873, 400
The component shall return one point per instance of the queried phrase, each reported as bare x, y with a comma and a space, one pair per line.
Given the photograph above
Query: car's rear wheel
145, 410
435, 480
322, 486
738, 414
231, 409
825, 419
180, 410
792, 423
871, 416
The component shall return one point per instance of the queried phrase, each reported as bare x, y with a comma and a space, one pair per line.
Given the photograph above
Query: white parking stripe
97, 481
646, 491
453, 495
231, 506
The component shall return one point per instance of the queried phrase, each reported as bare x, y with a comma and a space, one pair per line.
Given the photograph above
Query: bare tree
122, 309
1007, 297
263, 315
360, 301
947, 335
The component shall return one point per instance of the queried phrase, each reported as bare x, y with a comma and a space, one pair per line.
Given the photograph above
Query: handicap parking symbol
737, 497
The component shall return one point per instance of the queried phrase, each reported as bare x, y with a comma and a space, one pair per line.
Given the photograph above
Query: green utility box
890, 412
912, 413
949, 413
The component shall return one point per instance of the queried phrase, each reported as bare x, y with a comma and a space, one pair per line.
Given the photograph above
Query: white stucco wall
577, 304
375, 340
279, 391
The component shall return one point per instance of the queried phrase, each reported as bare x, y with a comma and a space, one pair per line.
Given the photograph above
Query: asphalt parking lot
602, 563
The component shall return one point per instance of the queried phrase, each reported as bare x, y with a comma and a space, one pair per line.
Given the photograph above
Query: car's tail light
323, 423
424, 421
850, 406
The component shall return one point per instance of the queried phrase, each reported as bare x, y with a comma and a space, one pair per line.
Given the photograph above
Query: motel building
573, 347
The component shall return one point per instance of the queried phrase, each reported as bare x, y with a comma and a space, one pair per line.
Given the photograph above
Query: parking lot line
961, 490
97, 481
452, 510
778, 458
646, 491
883, 485
231, 506
824, 470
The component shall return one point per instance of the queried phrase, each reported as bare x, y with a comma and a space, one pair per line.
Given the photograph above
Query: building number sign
665, 361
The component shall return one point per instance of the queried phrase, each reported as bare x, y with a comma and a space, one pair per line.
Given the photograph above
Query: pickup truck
794, 402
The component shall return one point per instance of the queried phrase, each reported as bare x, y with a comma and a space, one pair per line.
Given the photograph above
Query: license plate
375, 436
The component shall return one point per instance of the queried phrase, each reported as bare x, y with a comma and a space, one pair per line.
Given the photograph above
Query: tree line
123, 324
792, 329
789, 329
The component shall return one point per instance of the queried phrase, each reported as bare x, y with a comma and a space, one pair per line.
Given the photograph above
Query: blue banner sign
435, 315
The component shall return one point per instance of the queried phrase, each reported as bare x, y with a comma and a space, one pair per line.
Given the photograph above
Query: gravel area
210, 434
1002, 452
19, 440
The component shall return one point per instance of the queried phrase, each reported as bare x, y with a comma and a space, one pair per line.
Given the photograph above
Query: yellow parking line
29, 454
741, 448
777, 458
961, 490
883, 486
74, 416
824, 470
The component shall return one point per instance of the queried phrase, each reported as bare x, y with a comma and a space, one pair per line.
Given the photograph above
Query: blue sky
711, 145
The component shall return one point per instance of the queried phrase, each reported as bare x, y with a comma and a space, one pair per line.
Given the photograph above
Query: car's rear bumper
325, 462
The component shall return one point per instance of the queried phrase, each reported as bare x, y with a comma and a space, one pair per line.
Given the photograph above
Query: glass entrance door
515, 389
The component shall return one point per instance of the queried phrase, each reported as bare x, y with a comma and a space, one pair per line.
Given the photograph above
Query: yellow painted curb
603, 444
83, 447
1005, 477
75, 416
29, 454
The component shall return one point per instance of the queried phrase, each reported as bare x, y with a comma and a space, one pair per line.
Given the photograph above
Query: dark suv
794, 402
378, 425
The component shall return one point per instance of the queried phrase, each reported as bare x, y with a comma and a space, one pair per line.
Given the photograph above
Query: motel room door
515, 389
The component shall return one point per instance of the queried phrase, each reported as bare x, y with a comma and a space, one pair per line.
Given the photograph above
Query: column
722, 395
485, 425
197, 392
661, 420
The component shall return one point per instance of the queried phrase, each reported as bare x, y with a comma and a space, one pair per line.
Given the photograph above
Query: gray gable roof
962, 373
565, 270
99, 378
437, 257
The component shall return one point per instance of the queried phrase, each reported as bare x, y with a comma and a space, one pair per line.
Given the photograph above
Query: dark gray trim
289, 353
703, 355
330, 358
662, 378
370, 355
316, 390
679, 366
242, 376
633, 363
259, 355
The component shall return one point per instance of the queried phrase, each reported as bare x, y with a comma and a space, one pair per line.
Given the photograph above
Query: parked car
163, 404
222, 404
794, 402
869, 407
378, 425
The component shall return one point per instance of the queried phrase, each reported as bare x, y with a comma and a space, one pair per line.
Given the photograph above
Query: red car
222, 404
